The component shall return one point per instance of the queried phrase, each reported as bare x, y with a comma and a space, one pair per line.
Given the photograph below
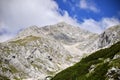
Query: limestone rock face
74, 39
66, 33
40, 52
109, 37
32, 57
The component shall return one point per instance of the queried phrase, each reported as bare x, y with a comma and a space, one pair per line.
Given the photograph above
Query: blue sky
102, 8
92, 15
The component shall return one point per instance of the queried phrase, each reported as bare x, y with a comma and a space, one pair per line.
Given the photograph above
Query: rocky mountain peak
109, 36
32, 30
66, 33
40, 52
62, 24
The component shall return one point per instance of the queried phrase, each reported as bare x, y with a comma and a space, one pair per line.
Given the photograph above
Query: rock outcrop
38, 52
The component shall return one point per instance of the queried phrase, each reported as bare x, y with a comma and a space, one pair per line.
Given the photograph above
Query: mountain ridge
45, 51
100, 65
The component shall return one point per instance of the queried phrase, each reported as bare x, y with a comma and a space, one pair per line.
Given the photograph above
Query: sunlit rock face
109, 37
103, 64
33, 57
41, 52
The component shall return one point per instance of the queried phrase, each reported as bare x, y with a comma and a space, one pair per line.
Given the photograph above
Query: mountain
101, 65
109, 36
41, 52
32, 57
66, 33
36, 53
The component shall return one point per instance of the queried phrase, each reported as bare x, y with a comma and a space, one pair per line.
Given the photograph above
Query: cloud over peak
20, 14
99, 26
23, 13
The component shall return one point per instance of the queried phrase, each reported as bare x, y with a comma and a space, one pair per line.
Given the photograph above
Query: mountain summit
40, 52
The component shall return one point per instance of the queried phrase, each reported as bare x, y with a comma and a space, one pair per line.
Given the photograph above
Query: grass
13, 69
25, 40
4, 77
4, 69
80, 71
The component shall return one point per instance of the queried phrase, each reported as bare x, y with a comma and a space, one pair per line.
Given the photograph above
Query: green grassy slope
101, 61
3, 78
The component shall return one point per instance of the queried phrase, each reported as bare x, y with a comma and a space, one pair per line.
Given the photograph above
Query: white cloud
84, 4
64, 1
18, 14
23, 13
91, 25
6, 37
108, 22
99, 26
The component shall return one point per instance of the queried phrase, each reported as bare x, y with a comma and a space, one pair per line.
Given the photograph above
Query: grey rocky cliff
32, 57
74, 39
38, 52
66, 33
109, 37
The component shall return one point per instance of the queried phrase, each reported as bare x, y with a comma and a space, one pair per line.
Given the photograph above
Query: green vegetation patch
13, 69
4, 77
25, 40
80, 71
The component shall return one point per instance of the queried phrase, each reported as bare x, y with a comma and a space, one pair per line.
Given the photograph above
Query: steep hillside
109, 37
40, 52
32, 57
36, 53
67, 33
101, 65
74, 39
